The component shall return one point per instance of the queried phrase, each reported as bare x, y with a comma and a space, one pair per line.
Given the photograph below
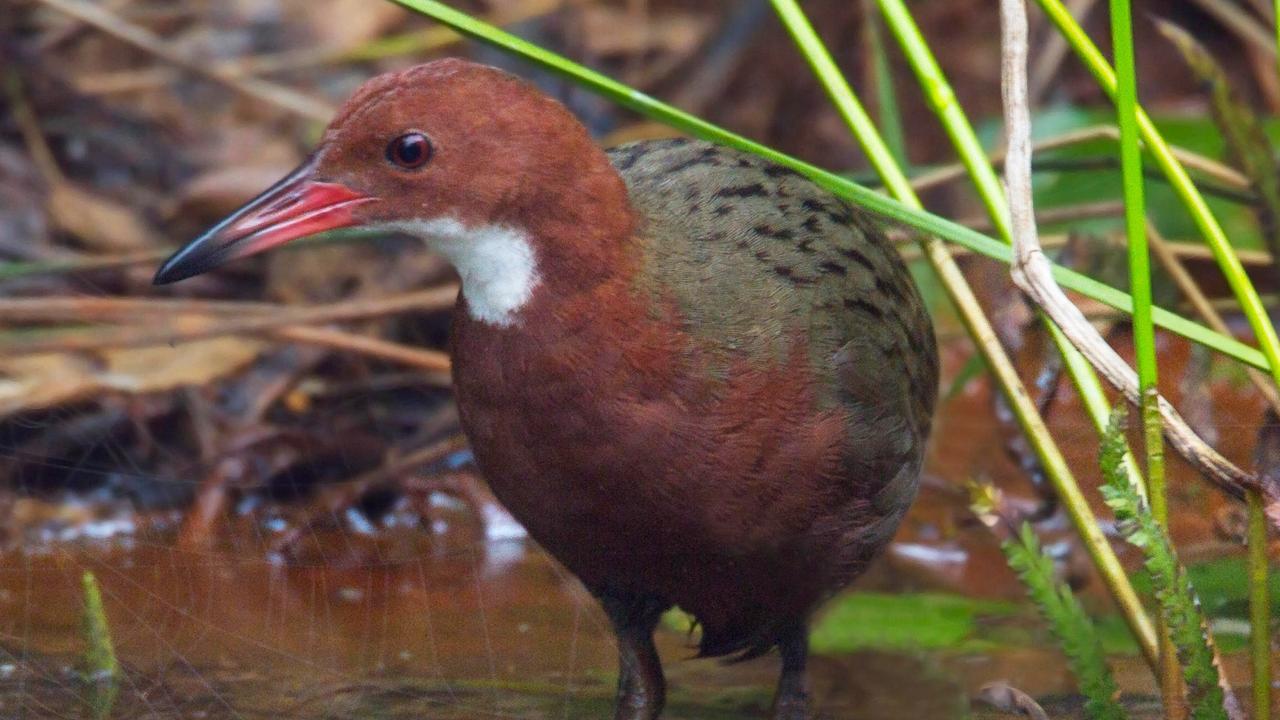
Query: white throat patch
496, 263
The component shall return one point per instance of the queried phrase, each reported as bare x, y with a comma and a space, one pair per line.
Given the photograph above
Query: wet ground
498, 632
445, 617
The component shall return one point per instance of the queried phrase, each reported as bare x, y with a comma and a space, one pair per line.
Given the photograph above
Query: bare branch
1031, 272
268, 92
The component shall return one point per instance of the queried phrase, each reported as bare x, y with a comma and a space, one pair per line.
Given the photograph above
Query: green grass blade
1232, 269
102, 669
887, 107
925, 222
1144, 340
1050, 456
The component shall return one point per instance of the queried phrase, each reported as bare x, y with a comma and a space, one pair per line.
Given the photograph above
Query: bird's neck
558, 243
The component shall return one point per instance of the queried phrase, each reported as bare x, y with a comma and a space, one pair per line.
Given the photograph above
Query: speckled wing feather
752, 251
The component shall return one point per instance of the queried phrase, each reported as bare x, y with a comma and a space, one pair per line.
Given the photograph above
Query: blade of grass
1194, 202
102, 669
887, 108
925, 222
1143, 330
1055, 464
1237, 279
1259, 587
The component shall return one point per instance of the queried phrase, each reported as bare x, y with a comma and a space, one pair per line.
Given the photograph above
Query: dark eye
410, 151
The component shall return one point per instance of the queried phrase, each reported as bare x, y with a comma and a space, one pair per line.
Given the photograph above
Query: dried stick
1053, 241
1050, 56
268, 92
121, 309
1050, 216
429, 360
1031, 272
1204, 307
418, 42
185, 328
1241, 23
1220, 172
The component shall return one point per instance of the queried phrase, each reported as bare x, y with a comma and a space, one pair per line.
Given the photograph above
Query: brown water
497, 632
448, 624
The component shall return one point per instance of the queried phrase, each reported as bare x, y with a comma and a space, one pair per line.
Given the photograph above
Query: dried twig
53, 309
184, 328
1031, 272
1051, 216
1220, 172
1204, 308
268, 92
1184, 251
418, 42
1238, 21
1049, 57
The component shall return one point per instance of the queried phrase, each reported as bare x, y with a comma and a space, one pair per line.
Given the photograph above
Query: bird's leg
791, 701
641, 686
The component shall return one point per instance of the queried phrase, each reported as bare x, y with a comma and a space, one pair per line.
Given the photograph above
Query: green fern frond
1070, 624
1177, 600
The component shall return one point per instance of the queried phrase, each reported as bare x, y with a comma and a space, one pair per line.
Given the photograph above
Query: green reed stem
1056, 467
1135, 216
888, 110
1245, 293
1259, 609
1143, 330
1180, 181
1259, 587
874, 202
943, 101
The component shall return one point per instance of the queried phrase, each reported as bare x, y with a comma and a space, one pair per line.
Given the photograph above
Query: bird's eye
410, 151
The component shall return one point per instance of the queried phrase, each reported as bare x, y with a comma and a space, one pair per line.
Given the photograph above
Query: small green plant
1071, 626
1174, 595
102, 669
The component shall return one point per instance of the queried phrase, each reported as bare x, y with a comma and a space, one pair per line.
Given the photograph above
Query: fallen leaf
43, 381
1007, 698
101, 224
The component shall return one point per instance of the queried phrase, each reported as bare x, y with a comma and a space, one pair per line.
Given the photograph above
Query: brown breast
734, 419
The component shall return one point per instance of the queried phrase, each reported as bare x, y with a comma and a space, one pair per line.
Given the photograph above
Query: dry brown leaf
102, 225
220, 191
613, 31
350, 23
42, 381
1006, 698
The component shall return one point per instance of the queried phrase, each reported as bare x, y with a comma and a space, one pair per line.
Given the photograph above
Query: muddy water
453, 623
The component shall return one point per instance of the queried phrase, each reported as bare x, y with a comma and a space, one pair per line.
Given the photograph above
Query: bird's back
752, 252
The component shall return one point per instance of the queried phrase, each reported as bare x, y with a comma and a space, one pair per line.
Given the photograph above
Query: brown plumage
714, 388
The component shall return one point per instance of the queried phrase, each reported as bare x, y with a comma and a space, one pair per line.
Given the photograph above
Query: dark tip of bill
166, 275
179, 266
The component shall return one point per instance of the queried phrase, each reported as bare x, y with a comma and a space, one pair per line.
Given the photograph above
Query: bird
697, 378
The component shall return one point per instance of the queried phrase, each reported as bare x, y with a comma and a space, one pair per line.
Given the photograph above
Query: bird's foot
794, 706
641, 687
637, 706
791, 701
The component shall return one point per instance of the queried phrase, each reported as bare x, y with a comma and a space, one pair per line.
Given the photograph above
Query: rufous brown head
451, 150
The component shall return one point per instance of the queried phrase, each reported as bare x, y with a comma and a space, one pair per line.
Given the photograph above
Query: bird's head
465, 156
